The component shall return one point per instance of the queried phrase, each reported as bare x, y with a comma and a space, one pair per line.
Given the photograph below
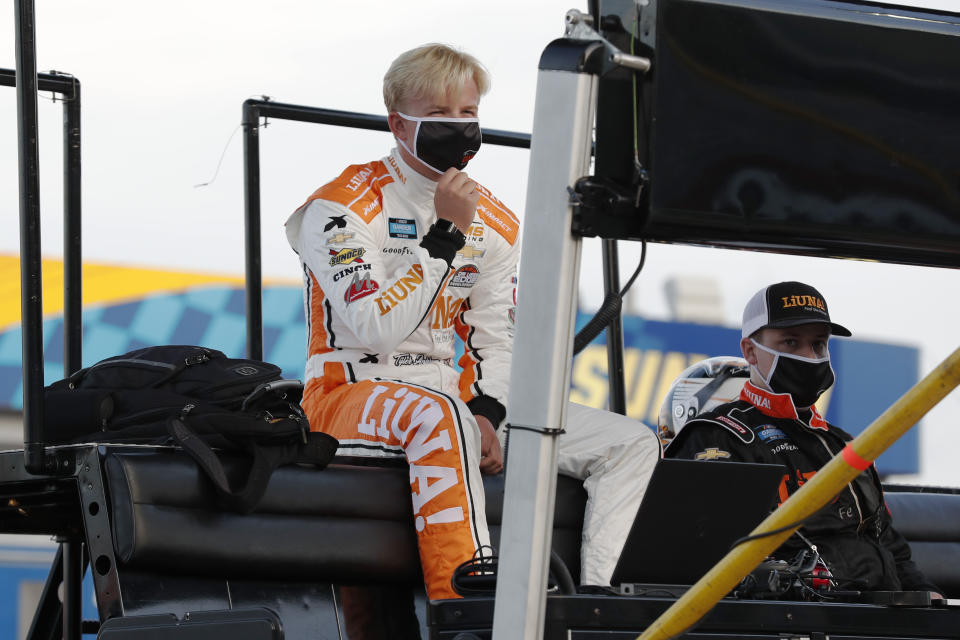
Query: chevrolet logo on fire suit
470, 253
712, 454
339, 238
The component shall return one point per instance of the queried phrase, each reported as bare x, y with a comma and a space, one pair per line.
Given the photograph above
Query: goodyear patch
346, 256
465, 276
783, 446
402, 228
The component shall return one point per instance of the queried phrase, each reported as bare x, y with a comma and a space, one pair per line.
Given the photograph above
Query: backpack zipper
79, 375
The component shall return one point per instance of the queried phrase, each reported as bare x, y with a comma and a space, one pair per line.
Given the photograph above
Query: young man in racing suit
402, 255
786, 327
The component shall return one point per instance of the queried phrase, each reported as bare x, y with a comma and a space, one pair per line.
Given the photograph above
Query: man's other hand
456, 198
491, 457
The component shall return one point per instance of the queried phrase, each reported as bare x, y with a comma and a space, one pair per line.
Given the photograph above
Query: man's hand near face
456, 198
491, 456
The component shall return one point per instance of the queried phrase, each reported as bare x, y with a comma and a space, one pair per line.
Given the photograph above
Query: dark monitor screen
807, 126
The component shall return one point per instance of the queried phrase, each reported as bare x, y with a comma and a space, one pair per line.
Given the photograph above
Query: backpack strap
315, 448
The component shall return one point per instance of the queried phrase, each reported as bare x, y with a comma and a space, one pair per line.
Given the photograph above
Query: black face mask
805, 379
442, 143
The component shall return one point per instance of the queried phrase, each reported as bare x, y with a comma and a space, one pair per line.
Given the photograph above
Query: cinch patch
465, 276
402, 228
768, 433
360, 288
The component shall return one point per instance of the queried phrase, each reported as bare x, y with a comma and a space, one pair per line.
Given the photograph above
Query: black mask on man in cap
805, 379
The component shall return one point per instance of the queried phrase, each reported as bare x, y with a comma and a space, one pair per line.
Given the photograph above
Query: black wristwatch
446, 227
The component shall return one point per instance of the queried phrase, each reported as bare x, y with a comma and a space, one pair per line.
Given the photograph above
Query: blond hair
431, 71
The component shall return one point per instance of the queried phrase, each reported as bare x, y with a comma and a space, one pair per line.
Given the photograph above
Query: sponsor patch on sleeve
736, 426
346, 256
470, 252
339, 238
402, 228
465, 276
336, 222
769, 433
360, 288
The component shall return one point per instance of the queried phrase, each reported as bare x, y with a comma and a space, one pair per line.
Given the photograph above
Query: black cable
643, 260
478, 576
767, 534
560, 572
609, 310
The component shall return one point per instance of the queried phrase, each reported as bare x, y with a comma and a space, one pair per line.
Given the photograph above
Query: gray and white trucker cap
787, 304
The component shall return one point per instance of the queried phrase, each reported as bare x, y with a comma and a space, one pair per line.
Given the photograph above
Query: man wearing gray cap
785, 331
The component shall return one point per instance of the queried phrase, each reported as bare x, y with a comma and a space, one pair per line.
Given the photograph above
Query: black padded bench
930, 521
350, 524
345, 525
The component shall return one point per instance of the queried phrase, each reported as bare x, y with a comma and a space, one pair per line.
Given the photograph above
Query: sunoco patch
402, 228
465, 276
346, 256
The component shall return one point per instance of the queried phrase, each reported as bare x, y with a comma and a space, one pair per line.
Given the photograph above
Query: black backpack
196, 398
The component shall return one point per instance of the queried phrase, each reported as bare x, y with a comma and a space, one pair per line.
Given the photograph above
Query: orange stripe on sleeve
496, 216
468, 363
317, 322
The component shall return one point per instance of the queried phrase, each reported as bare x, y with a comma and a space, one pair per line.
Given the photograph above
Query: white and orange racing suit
386, 299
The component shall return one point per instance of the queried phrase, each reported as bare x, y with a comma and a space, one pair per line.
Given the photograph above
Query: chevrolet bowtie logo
339, 238
470, 253
712, 454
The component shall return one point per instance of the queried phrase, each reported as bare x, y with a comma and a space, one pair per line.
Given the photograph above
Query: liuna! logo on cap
803, 301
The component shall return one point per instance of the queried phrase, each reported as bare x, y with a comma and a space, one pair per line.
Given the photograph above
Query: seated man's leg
441, 442
614, 456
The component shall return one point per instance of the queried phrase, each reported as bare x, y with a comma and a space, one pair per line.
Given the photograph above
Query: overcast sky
163, 85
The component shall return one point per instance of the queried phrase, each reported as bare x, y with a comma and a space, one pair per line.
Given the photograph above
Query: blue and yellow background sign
126, 308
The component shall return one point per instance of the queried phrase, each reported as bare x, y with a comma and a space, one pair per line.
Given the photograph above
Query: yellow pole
819, 490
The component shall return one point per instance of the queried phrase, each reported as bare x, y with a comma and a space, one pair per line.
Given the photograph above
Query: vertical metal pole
31, 301
73, 560
72, 255
611, 284
47, 620
72, 581
543, 348
251, 203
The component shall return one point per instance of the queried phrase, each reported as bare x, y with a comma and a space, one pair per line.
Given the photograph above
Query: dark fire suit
854, 532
